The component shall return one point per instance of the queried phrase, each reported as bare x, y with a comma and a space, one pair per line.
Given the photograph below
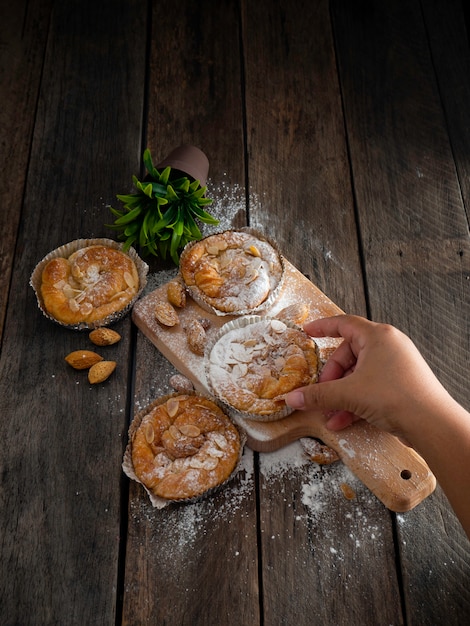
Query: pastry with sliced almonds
234, 272
182, 447
89, 285
254, 361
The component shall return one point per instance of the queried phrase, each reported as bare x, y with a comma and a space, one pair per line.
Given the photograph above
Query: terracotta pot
189, 160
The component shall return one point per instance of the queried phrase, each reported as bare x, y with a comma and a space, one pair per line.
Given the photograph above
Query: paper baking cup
65, 251
234, 412
203, 302
128, 466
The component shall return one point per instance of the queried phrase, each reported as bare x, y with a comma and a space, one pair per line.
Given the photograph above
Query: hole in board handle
405, 474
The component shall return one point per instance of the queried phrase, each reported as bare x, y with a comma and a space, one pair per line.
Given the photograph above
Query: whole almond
181, 384
295, 313
82, 359
166, 314
196, 337
99, 372
176, 294
104, 336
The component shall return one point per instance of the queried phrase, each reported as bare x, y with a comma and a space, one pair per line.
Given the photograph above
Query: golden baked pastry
184, 447
251, 367
232, 271
92, 283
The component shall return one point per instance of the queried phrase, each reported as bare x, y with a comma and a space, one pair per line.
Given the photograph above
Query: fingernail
295, 399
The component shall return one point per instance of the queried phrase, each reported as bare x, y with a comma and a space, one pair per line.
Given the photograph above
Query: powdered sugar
189, 520
319, 488
322, 499
232, 271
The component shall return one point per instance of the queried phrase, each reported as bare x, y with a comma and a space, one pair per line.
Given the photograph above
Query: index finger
350, 327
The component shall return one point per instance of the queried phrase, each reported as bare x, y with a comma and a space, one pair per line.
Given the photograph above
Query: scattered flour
319, 487
183, 524
228, 206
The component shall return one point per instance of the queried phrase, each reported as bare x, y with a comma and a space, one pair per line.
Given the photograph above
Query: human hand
376, 374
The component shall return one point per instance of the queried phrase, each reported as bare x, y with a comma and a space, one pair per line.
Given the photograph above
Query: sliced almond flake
348, 491
69, 292
197, 463
73, 306
189, 430
219, 440
86, 308
60, 284
215, 453
249, 343
172, 406
174, 432
239, 370
149, 433
179, 465
240, 353
278, 326
230, 360
130, 282
210, 463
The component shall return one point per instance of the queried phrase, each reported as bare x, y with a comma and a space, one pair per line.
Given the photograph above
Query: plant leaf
165, 176
204, 216
129, 217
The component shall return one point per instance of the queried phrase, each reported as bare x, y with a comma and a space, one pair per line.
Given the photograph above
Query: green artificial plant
161, 216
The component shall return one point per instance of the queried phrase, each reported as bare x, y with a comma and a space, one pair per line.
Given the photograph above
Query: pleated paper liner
68, 249
128, 466
209, 303
239, 324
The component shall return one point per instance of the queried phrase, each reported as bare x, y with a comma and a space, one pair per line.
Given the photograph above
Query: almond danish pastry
255, 361
234, 272
182, 447
89, 285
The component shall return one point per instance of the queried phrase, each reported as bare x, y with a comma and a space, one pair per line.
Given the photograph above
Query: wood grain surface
340, 130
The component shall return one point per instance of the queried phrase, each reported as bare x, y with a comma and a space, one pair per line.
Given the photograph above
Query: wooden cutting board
396, 474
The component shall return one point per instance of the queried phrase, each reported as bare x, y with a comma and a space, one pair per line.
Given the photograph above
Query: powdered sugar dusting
184, 523
319, 501
228, 206
232, 271
320, 488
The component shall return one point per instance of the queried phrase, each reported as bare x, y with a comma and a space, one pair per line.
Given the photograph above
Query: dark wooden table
339, 128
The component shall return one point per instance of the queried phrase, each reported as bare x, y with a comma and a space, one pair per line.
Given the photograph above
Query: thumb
327, 396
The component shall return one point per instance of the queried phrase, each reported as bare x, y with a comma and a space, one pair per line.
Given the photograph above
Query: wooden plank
23, 33
449, 40
190, 563
321, 551
62, 438
415, 241
300, 187
301, 191
194, 563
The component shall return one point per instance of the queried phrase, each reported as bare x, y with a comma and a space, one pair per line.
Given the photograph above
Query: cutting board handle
395, 473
